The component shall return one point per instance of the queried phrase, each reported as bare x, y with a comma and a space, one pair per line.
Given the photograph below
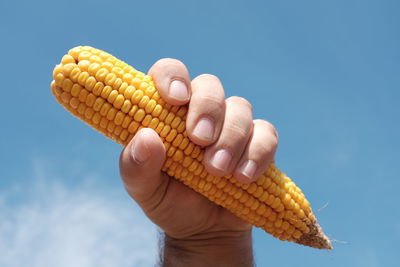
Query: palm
183, 213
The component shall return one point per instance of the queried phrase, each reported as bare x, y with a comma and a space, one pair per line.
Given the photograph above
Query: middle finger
222, 157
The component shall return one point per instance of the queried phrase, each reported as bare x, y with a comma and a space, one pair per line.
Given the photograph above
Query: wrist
225, 248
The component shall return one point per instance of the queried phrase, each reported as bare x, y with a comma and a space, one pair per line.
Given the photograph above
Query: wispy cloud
54, 224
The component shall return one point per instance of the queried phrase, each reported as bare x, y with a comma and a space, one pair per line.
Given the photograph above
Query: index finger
172, 80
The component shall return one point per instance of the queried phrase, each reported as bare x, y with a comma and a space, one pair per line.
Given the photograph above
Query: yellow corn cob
118, 100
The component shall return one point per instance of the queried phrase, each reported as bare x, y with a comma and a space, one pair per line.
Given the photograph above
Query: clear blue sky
326, 73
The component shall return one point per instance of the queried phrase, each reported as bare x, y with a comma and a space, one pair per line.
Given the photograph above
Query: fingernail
204, 129
178, 90
140, 153
248, 169
221, 160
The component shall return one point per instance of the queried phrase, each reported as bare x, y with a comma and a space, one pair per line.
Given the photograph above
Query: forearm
224, 249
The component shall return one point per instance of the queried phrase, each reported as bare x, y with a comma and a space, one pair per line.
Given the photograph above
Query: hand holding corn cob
118, 101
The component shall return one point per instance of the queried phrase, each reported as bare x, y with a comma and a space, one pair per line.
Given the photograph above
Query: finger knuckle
168, 68
266, 150
238, 100
240, 132
213, 101
208, 77
164, 62
268, 127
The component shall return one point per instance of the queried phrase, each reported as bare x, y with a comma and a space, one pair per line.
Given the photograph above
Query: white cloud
54, 224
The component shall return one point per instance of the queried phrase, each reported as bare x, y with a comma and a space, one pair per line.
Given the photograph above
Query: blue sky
325, 73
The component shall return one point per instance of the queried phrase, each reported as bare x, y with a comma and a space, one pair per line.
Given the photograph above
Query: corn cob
118, 100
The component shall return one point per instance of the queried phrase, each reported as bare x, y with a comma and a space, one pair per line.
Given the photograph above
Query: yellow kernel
67, 59
104, 109
143, 101
90, 83
258, 192
98, 103
297, 234
84, 65
150, 91
84, 56
95, 59
124, 135
59, 79
153, 124
136, 97
126, 105
110, 79
58, 69
122, 88
111, 126
119, 117
133, 110
101, 74
93, 69
67, 85
133, 126
143, 86
111, 114
157, 110
66, 97
128, 93
276, 203
270, 199
118, 130
107, 65
255, 205
184, 143
139, 115
118, 71
169, 118
146, 121
126, 121
178, 139
74, 52
76, 88
278, 223
252, 188
127, 77
74, 102
264, 196
106, 91
175, 122
119, 101
96, 118
165, 131
156, 96
181, 127
189, 149
90, 99
193, 166
89, 113
103, 55
98, 88
103, 122
163, 114
82, 95
82, 78
68, 69
112, 96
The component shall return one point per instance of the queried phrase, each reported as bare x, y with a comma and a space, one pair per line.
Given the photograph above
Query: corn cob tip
315, 238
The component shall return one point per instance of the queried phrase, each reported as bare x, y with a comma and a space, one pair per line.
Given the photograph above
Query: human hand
234, 143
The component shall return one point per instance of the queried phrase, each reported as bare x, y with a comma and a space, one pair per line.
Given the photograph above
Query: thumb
140, 168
